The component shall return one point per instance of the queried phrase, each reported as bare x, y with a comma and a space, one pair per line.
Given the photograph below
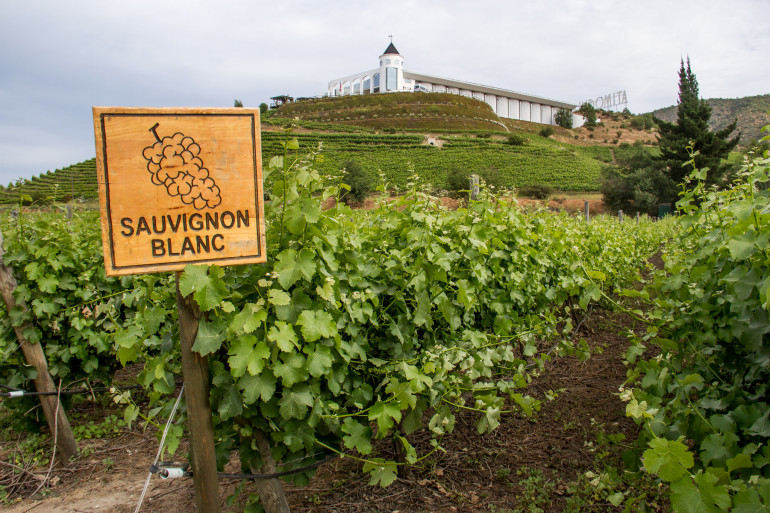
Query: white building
392, 77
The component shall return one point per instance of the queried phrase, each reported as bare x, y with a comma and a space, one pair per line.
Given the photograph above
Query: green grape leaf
384, 413
258, 387
295, 402
319, 361
762, 426
742, 246
741, 460
701, 496
209, 338
422, 311
283, 335
291, 266
291, 369
316, 324
278, 297
231, 404
206, 285
381, 472
247, 353
248, 319
748, 501
47, 283
669, 459
358, 436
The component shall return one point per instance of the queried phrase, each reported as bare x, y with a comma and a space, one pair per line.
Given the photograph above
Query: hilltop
751, 112
422, 111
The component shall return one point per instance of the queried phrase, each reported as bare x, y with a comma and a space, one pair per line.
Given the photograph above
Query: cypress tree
693, 115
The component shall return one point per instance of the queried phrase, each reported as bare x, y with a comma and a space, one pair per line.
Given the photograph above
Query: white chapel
391, 76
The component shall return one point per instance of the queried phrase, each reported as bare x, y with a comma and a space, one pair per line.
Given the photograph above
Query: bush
643, 122
537, 191
563, 118
547, 131
641, 190
457, 180
263, 108
589, 112
359, 180
516, 140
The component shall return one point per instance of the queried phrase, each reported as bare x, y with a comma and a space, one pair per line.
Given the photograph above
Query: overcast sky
60, 58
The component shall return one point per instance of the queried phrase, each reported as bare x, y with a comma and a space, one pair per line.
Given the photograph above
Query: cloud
61, 58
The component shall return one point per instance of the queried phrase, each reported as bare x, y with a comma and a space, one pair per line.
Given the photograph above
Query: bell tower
391, 70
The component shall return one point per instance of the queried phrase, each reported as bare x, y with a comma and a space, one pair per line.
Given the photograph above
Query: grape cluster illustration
174, 162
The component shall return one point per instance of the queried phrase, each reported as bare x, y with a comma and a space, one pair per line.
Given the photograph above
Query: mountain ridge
750, 111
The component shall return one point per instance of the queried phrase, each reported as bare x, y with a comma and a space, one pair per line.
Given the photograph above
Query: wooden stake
35, 356
196, 378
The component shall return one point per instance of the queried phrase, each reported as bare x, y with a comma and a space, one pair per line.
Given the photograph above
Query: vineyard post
195, 370
35, 356
585, 206
620, 216
474, 186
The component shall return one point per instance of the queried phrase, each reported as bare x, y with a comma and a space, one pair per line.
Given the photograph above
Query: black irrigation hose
163, 468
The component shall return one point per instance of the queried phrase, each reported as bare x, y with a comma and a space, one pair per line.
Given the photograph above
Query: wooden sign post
179, 187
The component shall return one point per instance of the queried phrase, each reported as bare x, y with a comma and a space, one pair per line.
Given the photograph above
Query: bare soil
477, 472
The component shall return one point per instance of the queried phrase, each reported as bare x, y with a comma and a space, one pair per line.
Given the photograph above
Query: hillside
74, 181
398, 157
423, 111
751, 112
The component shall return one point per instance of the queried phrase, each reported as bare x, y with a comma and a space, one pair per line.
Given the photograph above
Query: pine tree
693, 114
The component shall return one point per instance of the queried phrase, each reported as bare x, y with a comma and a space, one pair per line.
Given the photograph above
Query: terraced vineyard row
75, 181
397, 156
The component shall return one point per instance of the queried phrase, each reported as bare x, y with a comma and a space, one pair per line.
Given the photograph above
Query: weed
536, 490
110, 426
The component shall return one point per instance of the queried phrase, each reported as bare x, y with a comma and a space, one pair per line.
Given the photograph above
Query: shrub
563, 118
359, 180
457, 180
589, 112
516, 140
537, 191
641, 190
263, 108
547, 131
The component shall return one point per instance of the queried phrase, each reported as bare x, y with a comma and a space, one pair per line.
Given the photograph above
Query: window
391, 79
367, 85
376, 82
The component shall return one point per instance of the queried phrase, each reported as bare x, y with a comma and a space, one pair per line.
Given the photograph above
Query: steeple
391, 50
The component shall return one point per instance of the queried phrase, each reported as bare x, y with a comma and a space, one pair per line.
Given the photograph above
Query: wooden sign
179, 187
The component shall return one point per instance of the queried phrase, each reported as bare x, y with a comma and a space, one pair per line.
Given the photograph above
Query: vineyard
400, 323
395, 156
364, 325
71, 182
